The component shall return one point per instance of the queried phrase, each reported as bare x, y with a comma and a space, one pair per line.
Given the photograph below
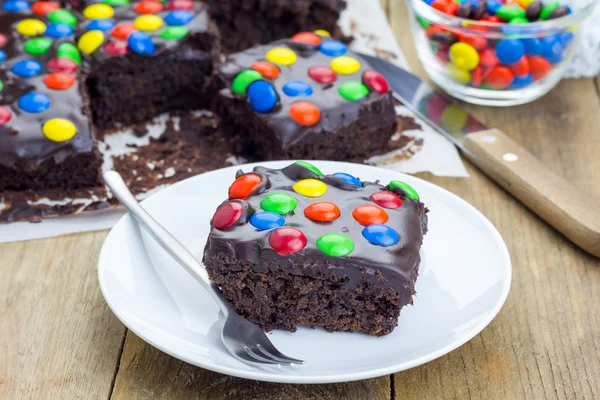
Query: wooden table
58, 338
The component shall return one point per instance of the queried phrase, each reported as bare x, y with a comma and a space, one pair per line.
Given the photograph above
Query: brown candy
443, 38
479, 11
465, 10
559, 12
532, 12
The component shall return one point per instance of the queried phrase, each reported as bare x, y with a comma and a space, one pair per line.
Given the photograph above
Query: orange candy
243, 186
266, 69
122, 31
521, 67
478, 42
44, 7
59, 80
305, 113
148, 7
322, 211
539, 67
477, 76
370, 214
307, 38
499, 77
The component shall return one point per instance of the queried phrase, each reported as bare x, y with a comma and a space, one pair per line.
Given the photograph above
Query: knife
574, 213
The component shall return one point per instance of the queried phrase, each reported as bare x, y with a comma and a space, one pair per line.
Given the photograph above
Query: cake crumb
169, 172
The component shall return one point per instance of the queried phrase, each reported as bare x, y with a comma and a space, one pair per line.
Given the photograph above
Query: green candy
37, 46
68, 50
548, 8
174, 33
279, 203
508, 13
116, 2
243, 80
353, 90
1, 86
519, 21
309, 166
63, 17
423, 22
404, 187
335, 244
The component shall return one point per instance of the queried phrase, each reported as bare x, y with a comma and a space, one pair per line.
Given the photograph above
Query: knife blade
574, 213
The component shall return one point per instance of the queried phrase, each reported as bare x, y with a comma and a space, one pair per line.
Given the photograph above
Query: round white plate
464, 279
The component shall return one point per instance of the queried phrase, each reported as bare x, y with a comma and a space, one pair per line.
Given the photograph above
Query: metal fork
244, 340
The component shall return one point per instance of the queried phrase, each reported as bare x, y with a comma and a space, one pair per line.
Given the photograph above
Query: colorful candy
464, 56
57, 30
322, 211
352, 180
104, 25
141, 43
2, 55
5, 115
3, 40
332, 48
243, 186
322, 74
353, 90
297, 88
15, 5
31, 27
59, 80
180, 5
26, 68
322, 32
122, 31
178, 17
375, 81
387, 199
44, 7
369, 214
307, 38
310, 167
62, 65
345, 65
59, 129
243, 80
61, 16
37, 46
380, 235
34, 102
68, 50
335, 244
280, 203
509, 51
499, 77
174, 32
116, 48
227, 215
266, 220
148, 7
539, 67
310, 187
286, 241
262, 96
148, 23
90, 41
281, 56
405, 188
266, 69
98, 11
305, 113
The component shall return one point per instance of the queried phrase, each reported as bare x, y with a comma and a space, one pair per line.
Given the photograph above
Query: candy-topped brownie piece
45, 136
143, 58
296, 247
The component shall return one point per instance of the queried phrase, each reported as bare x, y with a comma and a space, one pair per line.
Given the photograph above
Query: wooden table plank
58, 337
546, 340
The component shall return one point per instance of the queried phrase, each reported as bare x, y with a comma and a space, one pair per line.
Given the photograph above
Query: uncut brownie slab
295, 247
245, 23
143, 58
307, 97
46, 140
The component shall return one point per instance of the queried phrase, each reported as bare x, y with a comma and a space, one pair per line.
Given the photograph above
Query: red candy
369, 214
387, 199
322, 74
322, 211
305, 113
266, 69
226, 215
539, 67
477, 76
307, 38
443, 56
488, 58
122, 31
521, 67
59, 80
434, 29
114, 48
44, 7
243, 186
446, 6
148, 7
3, 40
492, 18
287, 241
5, 115
499, 77
180, 5
375, 81
62, 65
478, 42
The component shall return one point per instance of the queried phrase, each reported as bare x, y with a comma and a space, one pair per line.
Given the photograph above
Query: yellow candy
281, 56
345, 65
59, 129
454, 118
31, 27
98, 11
90, 41
148, 22
525, 3
322, 32
310, 188
459, 75
464, 56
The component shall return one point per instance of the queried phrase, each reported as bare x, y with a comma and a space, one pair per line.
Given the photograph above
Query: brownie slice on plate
245, 23
307, 97
296, 247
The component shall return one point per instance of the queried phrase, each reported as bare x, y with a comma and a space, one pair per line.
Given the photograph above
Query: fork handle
171, 245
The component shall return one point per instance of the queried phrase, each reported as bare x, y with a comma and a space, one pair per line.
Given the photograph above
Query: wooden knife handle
554, 199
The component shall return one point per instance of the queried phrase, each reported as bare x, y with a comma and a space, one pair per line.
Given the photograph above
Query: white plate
464, 280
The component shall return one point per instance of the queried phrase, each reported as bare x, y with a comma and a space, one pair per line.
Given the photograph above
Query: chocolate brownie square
296, 247
307, 97
245, 23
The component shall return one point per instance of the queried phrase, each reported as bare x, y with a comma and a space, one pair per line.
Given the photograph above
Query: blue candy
493, 6
266, 220
34, 102
297, 88
262, 96
2, 55
178, 17
26, 68
521, 81
348, 178
555, 59
551, 46
15, 5
428, 2
533, 46
141, 43
58, 31
332, 48
381, 235
565, 38
509, 51
103, 25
